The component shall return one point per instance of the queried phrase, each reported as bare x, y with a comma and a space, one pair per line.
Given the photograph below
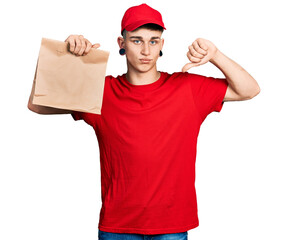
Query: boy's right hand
79, 45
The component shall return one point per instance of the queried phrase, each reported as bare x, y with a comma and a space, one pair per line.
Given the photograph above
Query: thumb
187, 66
96, 45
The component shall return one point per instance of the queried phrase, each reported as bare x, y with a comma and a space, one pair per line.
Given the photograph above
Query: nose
145, 49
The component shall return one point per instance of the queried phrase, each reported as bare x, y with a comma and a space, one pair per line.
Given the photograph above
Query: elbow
256, 90
250, 95
254, 93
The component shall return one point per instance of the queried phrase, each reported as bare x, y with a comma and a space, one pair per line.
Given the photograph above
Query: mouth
145, 60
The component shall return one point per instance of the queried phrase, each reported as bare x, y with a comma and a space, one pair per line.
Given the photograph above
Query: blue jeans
134, 236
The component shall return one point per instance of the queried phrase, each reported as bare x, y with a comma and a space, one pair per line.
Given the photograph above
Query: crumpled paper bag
66, 81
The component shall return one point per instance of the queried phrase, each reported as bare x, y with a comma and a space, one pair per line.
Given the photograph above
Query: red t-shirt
147, 135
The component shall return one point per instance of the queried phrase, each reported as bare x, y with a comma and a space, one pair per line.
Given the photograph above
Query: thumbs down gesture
200, 52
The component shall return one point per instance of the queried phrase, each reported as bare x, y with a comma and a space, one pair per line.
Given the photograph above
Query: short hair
150, 26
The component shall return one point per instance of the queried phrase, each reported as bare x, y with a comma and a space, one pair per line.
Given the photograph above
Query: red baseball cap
137, 16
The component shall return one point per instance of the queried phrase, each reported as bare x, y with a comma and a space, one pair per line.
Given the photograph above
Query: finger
83, 46
77, 46
88, 47
194, 53
96, 45
205, 59
71, 43
193, 59
188, 66
198, 49
202, 44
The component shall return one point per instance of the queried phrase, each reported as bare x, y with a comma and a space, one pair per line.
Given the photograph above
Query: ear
162, 42
121, 42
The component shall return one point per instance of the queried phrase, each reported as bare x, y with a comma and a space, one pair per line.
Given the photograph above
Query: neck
142, 78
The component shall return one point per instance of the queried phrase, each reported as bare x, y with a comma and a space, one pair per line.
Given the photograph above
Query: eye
136, 41
154, 42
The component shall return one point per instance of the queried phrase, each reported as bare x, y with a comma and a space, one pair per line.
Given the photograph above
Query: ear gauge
161, 53
122, 51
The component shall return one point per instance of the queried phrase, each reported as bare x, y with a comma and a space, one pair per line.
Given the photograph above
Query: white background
50, 169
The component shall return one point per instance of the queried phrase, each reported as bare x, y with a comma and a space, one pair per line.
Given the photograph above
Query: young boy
148, 128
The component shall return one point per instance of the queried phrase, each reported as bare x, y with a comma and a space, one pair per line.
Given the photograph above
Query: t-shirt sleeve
208, 93
89, 118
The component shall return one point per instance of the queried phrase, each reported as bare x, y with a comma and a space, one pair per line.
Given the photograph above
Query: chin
144, 68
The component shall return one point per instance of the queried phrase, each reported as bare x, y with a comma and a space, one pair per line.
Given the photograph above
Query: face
142, 49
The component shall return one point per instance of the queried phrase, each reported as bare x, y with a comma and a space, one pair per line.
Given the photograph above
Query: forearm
238, 78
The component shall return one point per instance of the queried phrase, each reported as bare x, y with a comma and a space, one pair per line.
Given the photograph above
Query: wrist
216, 58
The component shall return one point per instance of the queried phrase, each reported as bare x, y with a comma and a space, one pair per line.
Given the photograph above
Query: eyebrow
138, 37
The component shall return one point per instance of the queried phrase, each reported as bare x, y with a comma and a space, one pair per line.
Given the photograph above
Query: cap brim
135, 25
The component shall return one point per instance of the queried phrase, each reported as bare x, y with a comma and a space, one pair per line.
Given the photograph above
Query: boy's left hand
200, 52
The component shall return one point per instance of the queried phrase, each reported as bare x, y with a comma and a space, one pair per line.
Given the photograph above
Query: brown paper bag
66, 81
